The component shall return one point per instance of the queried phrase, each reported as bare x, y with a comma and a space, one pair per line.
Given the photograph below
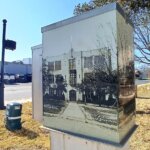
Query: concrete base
63, 141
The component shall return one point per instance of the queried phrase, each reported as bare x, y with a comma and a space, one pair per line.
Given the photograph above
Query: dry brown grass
143, 90
30, 137
141, 138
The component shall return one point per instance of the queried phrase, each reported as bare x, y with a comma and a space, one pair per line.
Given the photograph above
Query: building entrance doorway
72, 95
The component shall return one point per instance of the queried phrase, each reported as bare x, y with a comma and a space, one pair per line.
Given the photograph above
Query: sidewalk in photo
73, 111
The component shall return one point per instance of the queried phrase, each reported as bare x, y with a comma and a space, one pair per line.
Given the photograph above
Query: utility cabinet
88, 75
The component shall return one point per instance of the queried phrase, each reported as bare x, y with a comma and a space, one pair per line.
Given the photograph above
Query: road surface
18, 92
138, 82
23, 91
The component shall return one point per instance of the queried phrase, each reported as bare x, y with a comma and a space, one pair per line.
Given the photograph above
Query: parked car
29, 77
12, 78
6, 78
21, 78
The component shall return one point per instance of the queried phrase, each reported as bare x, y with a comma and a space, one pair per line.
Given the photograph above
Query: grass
141, 138
143, 91
32, 137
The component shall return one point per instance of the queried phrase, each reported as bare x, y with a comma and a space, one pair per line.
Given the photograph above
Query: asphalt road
23, 91
138, 82
18, 92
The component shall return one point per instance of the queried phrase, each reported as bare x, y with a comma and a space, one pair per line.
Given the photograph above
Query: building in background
21, 67
17, 71
27, 61
17, 68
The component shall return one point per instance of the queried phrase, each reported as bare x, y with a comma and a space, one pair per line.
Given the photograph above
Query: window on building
57, 65
72, 64
51, 92
55, 91
51, 78
88, 62
59, 78
73, 77
51, 66
99, 61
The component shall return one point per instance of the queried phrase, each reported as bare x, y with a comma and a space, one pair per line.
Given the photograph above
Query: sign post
6, 44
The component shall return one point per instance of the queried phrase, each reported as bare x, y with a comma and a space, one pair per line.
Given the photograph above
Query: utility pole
2, 67
6, 44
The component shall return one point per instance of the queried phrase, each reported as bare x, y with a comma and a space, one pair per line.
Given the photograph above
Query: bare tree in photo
138, 11
105, 80
142, 38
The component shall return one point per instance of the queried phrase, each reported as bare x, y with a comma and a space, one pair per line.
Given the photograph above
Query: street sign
9, 44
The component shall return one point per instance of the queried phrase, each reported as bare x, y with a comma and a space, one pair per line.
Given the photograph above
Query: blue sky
25, 19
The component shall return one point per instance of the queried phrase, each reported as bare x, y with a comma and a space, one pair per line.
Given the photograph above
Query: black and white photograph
88, 79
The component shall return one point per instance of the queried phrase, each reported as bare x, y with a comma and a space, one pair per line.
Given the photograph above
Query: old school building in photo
68, 71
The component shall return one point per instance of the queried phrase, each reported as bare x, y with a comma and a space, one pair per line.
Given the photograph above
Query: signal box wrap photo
88, 75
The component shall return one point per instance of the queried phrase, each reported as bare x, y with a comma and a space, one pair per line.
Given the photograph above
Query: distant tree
80, 8
142, 36
139, 12
18, 62
128, 5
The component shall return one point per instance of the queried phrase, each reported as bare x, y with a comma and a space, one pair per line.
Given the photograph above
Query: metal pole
2, 67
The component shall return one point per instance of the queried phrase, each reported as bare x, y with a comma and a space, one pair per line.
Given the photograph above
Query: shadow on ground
26, 133
142, 112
